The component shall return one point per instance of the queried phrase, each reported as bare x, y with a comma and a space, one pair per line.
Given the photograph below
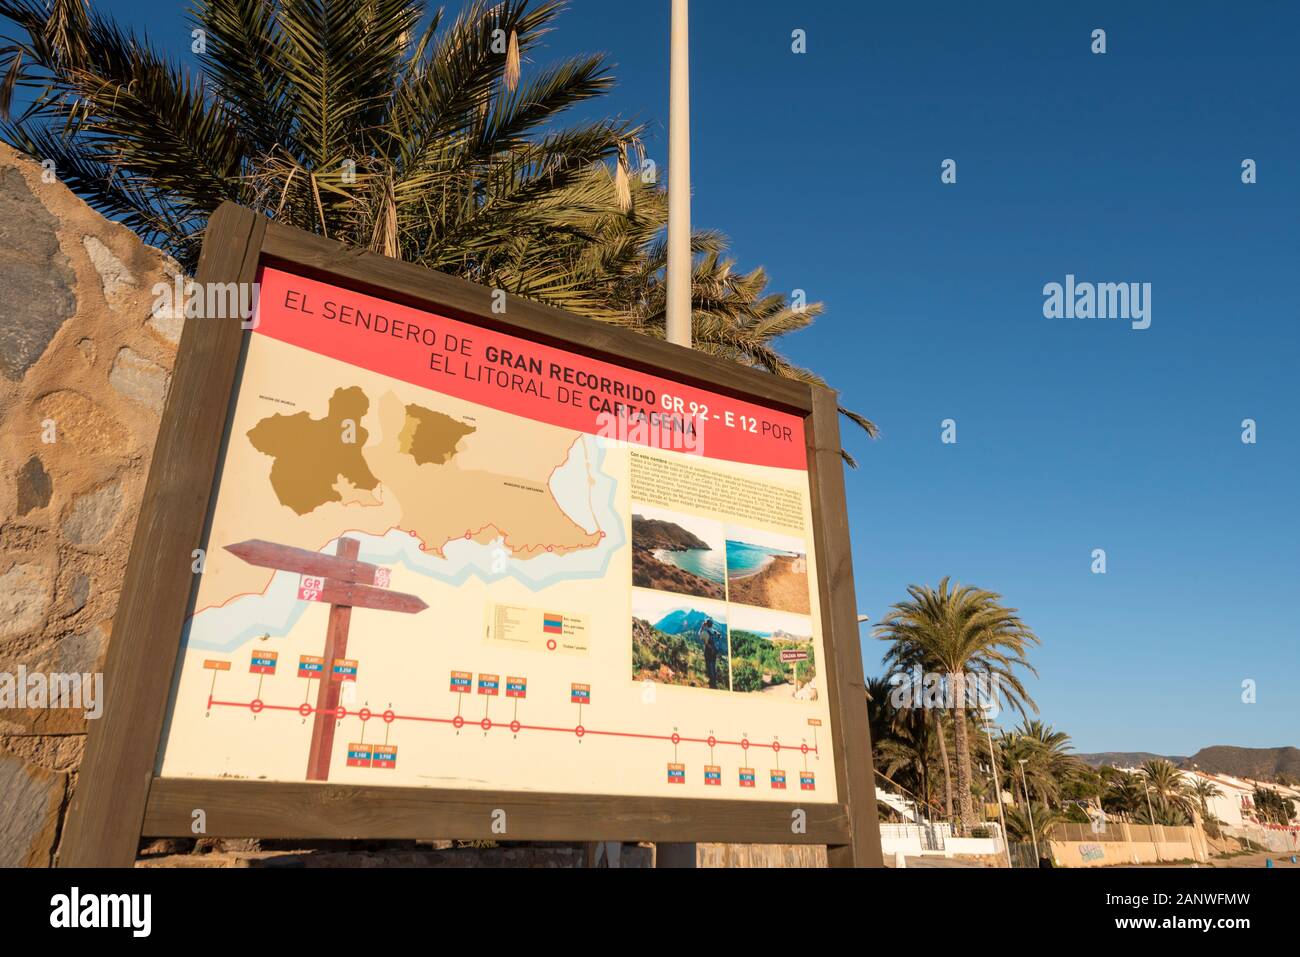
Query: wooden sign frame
119, 799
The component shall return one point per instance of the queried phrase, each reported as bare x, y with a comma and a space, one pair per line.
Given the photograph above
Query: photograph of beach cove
767, 570
678, 553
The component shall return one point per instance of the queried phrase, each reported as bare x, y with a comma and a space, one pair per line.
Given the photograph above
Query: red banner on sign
523, 377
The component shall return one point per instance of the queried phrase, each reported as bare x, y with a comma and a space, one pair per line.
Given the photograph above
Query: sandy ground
778, 586
1248, 860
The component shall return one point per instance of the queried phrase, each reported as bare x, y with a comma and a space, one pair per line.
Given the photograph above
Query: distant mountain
1127, 759
679, 621
655, 533
1260, 764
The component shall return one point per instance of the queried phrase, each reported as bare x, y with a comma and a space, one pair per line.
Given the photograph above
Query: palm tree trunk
947, 771
962, 740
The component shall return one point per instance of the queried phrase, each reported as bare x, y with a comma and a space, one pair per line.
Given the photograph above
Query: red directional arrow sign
363, 596
347, 584
289, 559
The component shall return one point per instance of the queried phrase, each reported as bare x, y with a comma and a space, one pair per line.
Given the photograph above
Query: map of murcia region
309, 457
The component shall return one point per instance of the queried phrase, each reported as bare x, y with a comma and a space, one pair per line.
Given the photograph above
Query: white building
1234, 806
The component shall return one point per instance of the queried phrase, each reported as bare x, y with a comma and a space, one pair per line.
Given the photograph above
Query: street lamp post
997, 786
1029, 807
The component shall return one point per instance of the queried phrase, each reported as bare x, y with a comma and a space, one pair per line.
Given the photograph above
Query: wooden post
845, 683
107, 808
346, 584
327, 695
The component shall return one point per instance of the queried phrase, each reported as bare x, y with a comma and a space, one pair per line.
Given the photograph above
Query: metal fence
1121, 832
1022, 855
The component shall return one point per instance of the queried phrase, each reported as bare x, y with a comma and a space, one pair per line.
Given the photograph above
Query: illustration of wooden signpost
345, 583
792, 658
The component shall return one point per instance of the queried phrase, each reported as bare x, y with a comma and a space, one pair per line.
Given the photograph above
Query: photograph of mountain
677, 553
679, 642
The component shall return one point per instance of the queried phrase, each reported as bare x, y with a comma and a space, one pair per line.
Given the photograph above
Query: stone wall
84, 369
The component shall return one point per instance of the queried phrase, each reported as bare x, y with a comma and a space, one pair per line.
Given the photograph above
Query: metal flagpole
1002, 820
679, 181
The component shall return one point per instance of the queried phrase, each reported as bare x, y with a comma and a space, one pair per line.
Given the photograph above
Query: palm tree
1124, 795
1169, 792
351, 119
1044, 819
621, 278
1204, 791
1025, 763
345, 118
901, 741
925, 725
1055, 767
959, 632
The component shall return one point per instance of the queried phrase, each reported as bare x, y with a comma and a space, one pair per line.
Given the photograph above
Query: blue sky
1072, 435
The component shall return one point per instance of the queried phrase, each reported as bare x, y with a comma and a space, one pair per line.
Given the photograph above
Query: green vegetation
1272, 806
754, 656
1032, 824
